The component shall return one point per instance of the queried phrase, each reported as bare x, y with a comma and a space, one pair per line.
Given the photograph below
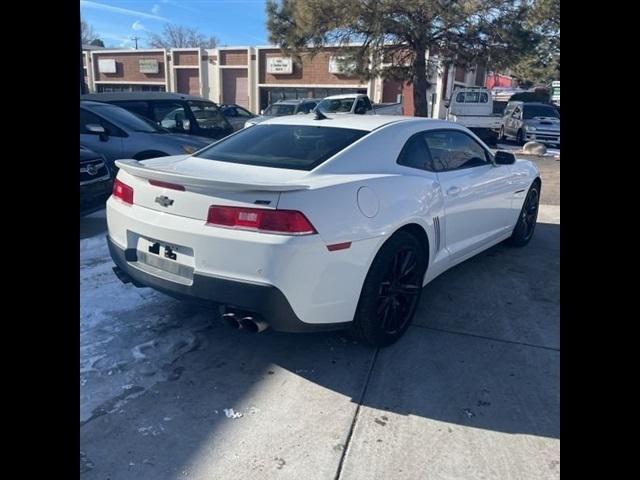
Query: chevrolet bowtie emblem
164, 201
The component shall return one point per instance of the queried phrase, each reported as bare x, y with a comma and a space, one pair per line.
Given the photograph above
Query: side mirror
262, 112
95, 128
504, 158
98, 130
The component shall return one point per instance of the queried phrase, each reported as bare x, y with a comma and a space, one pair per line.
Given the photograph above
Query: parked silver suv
531, 121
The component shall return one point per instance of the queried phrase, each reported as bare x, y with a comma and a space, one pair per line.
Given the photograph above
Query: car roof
90, 103
343, 95
295, 101
120, 96
357, 122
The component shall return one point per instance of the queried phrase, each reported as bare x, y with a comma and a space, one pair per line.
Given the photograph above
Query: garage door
235, 86
188, 81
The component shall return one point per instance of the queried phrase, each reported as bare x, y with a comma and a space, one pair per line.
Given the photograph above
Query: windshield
279, 109
208, 115
532, 111
127, 119
282, 146
336, 105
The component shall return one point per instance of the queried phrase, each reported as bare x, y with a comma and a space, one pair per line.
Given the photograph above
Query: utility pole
135, 39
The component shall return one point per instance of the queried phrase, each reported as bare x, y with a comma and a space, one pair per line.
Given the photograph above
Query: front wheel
526, 223
520, 137
391, 291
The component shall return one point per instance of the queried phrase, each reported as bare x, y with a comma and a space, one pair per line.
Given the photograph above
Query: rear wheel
391, 291
520, 137
526, 224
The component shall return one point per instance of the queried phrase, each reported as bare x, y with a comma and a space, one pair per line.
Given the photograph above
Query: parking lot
168, 391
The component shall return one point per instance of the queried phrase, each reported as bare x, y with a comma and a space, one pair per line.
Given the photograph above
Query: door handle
453, 191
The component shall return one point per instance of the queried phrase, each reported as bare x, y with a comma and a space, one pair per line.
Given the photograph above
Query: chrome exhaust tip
232, 320
253, 325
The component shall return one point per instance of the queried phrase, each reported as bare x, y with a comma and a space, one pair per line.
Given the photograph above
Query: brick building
256, 76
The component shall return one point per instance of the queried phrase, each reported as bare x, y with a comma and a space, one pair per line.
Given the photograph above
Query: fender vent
436, 228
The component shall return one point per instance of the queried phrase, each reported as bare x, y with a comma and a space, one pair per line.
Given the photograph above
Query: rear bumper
263, 299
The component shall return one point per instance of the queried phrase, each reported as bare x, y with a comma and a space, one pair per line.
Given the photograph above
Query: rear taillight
286, 222
123, 192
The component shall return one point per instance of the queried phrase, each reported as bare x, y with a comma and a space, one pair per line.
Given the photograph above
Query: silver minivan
531, 121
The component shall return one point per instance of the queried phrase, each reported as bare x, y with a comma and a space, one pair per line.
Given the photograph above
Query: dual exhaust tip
246, 322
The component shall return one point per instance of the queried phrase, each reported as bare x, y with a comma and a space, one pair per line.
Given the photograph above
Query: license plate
163, 250
174, 260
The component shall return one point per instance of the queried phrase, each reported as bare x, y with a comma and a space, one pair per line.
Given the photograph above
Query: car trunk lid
188, 186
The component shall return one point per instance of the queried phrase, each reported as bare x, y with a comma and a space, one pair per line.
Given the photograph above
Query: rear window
533, 111
298, 147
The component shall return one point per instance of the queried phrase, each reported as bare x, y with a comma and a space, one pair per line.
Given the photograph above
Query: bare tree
87, 34
179, 36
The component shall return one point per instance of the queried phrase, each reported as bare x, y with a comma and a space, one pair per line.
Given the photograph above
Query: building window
269, 95
116, 88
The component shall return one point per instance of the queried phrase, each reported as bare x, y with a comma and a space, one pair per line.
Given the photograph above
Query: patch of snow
230, 413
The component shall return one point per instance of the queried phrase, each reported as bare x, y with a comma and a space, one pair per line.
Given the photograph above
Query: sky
233, 22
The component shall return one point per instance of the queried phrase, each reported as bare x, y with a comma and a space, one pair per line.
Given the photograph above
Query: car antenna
320, 115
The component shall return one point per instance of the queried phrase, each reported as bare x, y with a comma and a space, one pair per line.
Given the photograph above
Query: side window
139, 107
508, 111
367, 103
307, 107
230, 112
451, 150
360, 108
460, 97
516, 112
87, 117
484, 97
171, 115
241, 112
415, 153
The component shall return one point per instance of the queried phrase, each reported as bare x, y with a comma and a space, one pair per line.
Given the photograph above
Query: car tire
526, 224
149, 154
520, 138
391, 291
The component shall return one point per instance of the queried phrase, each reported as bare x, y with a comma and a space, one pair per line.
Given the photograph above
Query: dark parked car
236, 115
118, 133
96, 181
178, 113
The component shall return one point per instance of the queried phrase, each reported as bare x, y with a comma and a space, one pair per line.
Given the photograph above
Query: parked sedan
96, 181
307, 223
179, 113
117, 133
236, 115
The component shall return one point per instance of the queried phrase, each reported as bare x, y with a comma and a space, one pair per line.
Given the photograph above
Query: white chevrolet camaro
306, 223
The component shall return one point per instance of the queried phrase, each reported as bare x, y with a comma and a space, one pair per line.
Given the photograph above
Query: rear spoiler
137, 169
